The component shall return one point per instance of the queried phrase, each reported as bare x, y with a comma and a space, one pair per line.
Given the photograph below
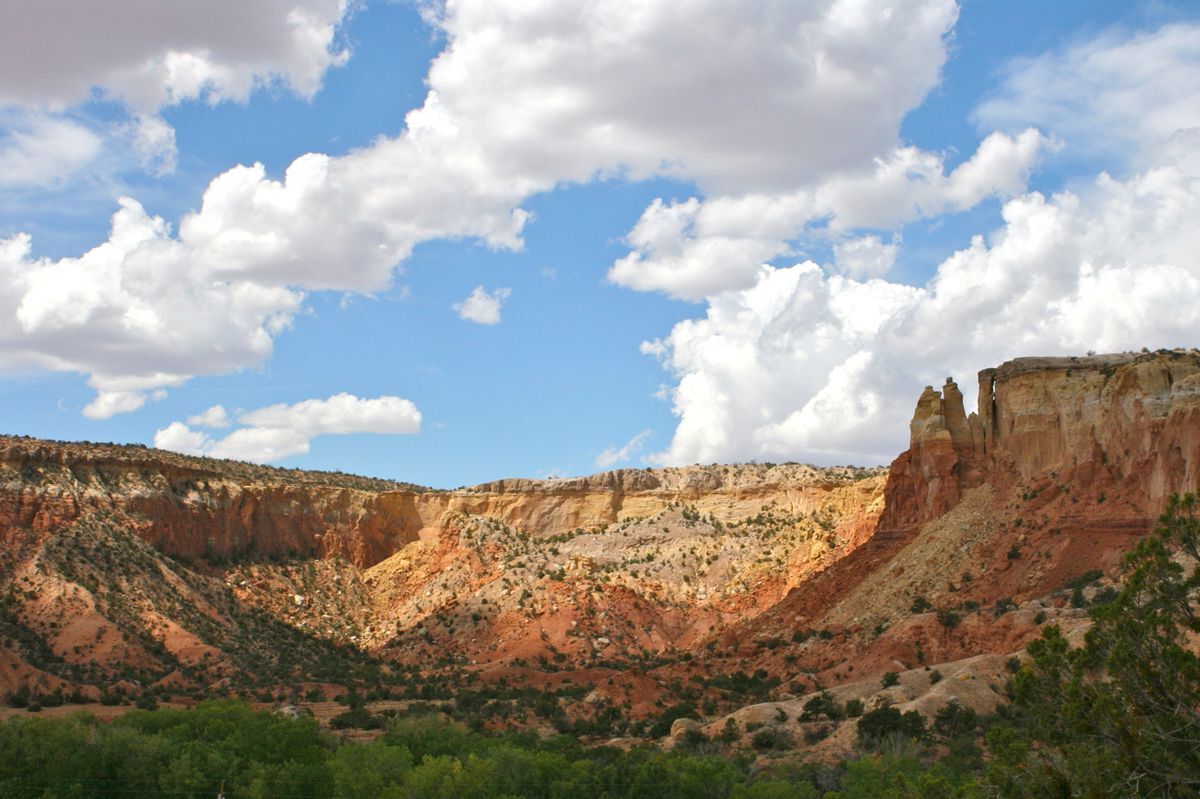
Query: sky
448, 242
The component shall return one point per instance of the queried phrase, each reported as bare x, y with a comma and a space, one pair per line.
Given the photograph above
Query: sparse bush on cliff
823, 705
948, 618
771, 738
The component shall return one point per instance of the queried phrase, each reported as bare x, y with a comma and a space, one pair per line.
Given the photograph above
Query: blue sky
693, 232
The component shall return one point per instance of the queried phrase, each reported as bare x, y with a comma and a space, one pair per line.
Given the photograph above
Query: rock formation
638, 560
1123, 425
1128, 422
194, 508
943, 459
816, 577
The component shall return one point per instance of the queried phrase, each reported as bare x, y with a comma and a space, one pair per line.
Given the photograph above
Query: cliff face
1130, 420
727, 493
195, 508
1124, 425
1067, 461
624, 562
943, 459
192, 508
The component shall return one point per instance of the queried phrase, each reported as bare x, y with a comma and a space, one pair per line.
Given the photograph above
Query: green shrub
358, 718
884, 722
1121, 709
771, 738
948, 618
822, 705
955, 720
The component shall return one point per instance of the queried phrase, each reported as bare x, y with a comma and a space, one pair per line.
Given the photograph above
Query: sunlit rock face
1124, 425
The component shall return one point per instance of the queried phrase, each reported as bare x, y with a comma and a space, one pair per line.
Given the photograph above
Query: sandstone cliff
727, 493
641, 561
195, 508
1122, 426
975, 537
997, 516
198, 508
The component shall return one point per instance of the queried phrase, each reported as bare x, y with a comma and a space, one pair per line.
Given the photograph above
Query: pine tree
1120, 715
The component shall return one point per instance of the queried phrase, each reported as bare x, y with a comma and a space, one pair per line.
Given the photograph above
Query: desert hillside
697, 591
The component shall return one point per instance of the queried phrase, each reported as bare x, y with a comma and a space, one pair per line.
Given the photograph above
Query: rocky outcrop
727, 493
1129, 423
943, 460
1123, 425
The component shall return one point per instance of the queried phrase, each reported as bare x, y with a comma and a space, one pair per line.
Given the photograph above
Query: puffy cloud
864, 257
913, 184
281, 431
131, 314
614, 455
524, 97
215, 417
481, 307
177, 437
826, 368
563, 91
340, 414
257, 445
691, 249
111, 403
148, 55
345, 223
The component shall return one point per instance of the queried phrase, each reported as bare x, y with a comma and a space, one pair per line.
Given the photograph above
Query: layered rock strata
196, 508
1125, 424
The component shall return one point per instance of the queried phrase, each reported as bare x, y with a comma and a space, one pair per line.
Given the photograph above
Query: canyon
745, 589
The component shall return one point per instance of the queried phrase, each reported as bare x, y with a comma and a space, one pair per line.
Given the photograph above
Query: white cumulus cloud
694, 249
722, 93
482, 307
215, 417
808, 365
524, 97
148, 55
282, 431
132, 313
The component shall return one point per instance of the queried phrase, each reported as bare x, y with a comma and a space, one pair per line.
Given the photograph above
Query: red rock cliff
944, 458
194, 507
1125, 425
